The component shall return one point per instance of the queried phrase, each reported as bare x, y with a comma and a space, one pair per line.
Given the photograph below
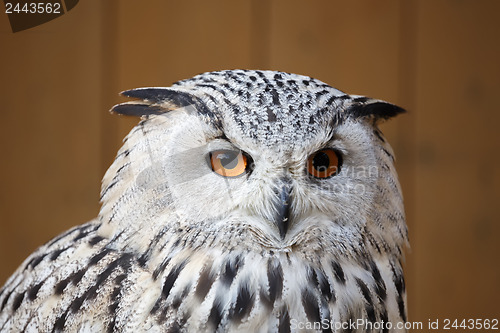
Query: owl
243, 201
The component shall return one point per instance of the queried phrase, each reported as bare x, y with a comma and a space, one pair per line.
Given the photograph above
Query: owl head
258, 159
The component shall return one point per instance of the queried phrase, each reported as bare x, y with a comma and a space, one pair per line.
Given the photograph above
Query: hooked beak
283, 210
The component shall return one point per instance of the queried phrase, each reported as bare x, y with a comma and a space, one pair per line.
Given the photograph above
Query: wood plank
352, 45
457, 180
50, 136
165, 41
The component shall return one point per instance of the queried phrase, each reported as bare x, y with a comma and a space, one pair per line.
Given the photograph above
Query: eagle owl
244, 201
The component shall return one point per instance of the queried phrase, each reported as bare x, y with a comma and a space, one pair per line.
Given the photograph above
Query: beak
283, 210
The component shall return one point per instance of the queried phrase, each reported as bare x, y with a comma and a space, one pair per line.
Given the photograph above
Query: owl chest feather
90, 286
267, 291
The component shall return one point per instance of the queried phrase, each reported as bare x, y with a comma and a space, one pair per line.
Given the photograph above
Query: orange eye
228, 163
324, 163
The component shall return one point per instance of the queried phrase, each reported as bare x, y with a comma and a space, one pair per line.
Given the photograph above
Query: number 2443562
33, 8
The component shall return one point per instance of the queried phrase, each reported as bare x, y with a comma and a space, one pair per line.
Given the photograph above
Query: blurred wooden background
440, 59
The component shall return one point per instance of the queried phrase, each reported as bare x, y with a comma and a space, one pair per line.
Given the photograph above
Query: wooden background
440, 59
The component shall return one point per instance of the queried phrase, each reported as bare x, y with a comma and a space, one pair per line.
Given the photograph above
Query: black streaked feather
18, 299
244, 303
284, 321
380, 288
311, 306
158, 101
160, 95
171, 278
60, 322
205, 282
54, 255
363, 107
230, 270
339, 272
275, 278
36, 260
370, 311
216, 312
33, 291
138, 110
324, 286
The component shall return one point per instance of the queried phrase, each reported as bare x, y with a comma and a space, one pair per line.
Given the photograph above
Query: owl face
271, 160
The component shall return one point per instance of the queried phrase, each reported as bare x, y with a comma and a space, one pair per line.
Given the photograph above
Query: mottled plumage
307, 236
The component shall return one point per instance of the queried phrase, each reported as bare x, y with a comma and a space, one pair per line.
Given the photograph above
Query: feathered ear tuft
367, 107
154, 101
137, 109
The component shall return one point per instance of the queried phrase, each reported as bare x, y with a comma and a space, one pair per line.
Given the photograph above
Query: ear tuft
137, 109
161, 95
368, 107
154, 101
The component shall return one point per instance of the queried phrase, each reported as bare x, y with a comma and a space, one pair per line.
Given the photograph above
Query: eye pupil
228, 161
321, 161
324, 163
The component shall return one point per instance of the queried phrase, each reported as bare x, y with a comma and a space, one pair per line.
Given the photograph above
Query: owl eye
228, 163
324, 163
